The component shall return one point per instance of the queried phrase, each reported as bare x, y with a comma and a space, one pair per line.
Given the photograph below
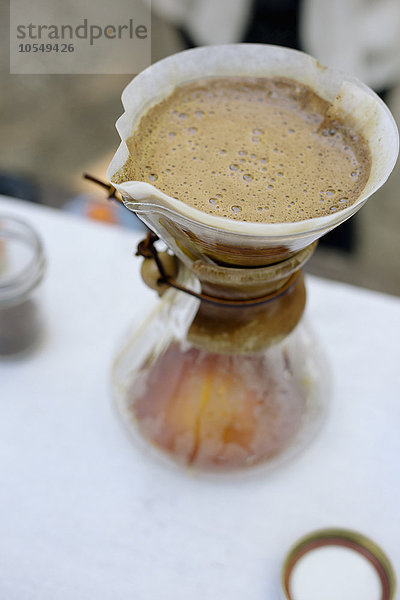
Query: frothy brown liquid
251, 149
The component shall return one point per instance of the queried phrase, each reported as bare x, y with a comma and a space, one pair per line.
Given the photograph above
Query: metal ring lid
337, 563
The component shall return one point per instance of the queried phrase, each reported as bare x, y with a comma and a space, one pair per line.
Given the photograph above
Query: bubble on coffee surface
232, 146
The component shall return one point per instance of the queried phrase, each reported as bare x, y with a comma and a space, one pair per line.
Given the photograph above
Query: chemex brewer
239, 158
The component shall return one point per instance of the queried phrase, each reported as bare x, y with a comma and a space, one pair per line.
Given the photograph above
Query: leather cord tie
112, 192
147, 249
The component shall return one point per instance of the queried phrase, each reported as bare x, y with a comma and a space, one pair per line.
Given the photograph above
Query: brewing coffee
236, 379
263, 150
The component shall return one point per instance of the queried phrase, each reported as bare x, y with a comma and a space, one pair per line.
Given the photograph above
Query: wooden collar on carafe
232, 286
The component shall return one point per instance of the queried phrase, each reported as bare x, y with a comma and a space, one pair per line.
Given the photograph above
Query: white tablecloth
84, 515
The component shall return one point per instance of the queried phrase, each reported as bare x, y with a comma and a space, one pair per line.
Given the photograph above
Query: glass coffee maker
225, 375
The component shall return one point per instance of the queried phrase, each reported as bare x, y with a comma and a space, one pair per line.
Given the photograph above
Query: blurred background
55, 127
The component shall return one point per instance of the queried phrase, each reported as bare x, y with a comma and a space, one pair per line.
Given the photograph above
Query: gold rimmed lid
341, 560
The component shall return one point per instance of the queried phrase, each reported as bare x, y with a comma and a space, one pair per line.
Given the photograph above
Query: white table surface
84, 515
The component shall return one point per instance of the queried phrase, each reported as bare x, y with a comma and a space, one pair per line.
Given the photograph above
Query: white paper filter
367, 113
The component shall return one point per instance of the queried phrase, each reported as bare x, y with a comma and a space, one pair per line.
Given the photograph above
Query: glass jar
22, 267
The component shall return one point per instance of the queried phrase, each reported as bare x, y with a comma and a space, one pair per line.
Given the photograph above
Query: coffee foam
250, 149
347, 96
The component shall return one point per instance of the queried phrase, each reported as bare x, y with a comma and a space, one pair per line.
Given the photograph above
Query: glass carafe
225, 374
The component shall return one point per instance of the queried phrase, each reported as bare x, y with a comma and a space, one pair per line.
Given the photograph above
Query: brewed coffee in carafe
239, 158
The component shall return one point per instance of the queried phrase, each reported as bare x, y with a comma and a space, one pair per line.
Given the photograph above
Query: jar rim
24, 280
